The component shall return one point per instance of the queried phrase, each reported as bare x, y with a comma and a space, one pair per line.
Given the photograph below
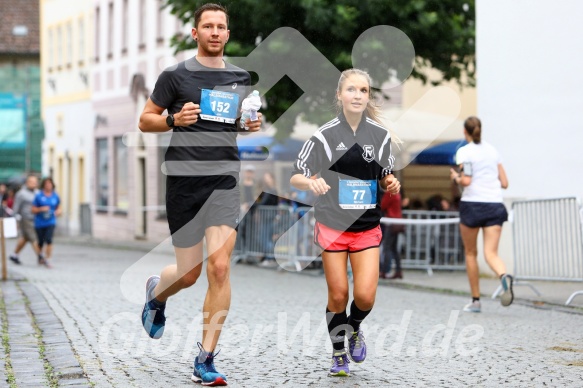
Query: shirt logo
234, 86
341, 147
368, 153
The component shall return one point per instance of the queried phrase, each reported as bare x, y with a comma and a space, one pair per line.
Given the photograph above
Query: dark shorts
195, 203
45, 235
332, 240
480, 214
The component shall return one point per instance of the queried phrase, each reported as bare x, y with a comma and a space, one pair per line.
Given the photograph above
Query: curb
36, 345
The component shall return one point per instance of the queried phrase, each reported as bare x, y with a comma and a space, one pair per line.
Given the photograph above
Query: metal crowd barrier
547, 241
431, 239
277, 232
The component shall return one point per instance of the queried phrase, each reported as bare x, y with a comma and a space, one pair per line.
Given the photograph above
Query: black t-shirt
213, 137
351, 163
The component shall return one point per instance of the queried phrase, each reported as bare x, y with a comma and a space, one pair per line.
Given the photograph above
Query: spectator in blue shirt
46, 207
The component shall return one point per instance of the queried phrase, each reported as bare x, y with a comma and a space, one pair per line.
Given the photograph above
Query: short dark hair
45, 180
209, 7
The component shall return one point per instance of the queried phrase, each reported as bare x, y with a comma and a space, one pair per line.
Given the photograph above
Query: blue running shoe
205, 372
508, 295
339, 365
357, 347
153, 318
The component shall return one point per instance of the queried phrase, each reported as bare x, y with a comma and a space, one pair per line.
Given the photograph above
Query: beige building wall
421, 181
413, 90
65, 31
131, 48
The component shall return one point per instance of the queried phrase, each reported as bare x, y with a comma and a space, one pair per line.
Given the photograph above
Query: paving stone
275, 332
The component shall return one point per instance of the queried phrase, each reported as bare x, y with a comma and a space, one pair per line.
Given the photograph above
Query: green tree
442, 33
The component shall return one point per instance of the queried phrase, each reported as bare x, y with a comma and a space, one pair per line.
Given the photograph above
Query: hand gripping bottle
250, 105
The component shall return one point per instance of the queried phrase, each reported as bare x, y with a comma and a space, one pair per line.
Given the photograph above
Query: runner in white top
482, 178
482, 160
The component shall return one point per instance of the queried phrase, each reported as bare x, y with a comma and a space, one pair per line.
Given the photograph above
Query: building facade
131, 48
66, 106
21, 129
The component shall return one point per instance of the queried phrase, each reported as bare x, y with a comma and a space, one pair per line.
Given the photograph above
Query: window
124, 32
60, 125
110, 28
178, 26
121, 175
59, 182
160, 22
51, 160
81, 180
97, 33
51, 49
163, 142
59, 47
81, 37
142, 21
68, 188
69, 38
102, 172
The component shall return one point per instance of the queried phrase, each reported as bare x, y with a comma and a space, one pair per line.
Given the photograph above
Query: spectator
5, 210
268, 197
9, 198
3, 192
46, 207
23, 213
391, 207
434, 202
416, 204
445, 205
248, 197
455, 204
248, 188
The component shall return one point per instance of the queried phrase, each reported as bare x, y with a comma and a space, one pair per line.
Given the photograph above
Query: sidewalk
552, 294
35, 349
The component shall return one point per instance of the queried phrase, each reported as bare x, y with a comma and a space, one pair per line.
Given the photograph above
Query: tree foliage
442, 33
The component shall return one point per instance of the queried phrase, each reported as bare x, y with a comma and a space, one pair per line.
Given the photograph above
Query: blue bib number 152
216, 105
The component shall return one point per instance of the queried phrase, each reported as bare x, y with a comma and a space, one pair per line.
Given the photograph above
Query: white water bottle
250, 105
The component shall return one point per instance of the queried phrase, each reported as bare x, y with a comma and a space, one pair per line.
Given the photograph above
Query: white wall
530, 92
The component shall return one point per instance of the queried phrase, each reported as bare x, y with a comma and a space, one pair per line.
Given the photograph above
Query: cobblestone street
276, 334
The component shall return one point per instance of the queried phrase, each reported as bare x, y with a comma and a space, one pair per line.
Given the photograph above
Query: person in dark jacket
391, 206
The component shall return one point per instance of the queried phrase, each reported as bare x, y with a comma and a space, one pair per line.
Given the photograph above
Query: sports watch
170, 120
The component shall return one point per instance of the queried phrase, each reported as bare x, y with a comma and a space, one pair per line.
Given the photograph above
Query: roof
259, 147
20, 17
441, 154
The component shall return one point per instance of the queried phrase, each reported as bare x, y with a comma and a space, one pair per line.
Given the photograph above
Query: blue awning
441, 154
259, 148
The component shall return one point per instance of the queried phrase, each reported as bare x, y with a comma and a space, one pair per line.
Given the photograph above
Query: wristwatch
170, 120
